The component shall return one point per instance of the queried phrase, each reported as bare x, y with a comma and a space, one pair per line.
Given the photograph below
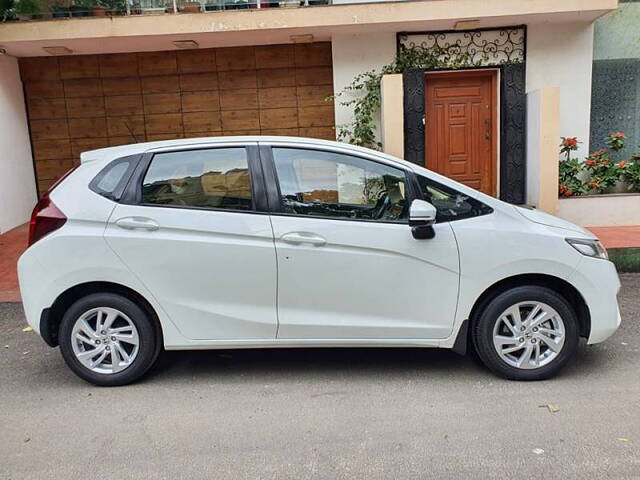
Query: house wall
83, 102
560, 55
17, 183
615, 105
617, 34
354, 54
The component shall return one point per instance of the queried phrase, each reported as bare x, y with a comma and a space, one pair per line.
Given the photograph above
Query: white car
262, 242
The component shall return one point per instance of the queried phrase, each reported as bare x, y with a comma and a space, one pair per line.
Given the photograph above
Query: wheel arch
52, 316
564, 288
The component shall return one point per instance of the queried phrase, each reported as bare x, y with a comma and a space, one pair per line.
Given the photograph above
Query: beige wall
392, 115
561, 55
543, 131
354, 54
17, 182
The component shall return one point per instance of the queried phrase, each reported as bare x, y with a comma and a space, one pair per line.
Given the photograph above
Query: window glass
334, 185
451, 204
213, 178
112, 177
111, 180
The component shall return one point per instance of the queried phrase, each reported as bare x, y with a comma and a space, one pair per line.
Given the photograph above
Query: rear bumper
598, 283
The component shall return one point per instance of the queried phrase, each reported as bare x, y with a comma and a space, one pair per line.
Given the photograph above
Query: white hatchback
260, 242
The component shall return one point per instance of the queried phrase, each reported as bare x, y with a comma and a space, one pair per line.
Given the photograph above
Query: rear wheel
108, 340
526, 333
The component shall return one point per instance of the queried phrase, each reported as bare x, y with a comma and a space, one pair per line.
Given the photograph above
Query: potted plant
28, 9
191, 7
99, 9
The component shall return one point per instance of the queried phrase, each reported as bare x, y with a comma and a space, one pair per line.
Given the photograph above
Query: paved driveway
321, 414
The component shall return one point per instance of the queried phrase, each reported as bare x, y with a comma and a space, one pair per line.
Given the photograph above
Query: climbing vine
364, 89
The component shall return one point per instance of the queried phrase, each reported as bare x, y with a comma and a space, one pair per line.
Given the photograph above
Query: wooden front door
461, 127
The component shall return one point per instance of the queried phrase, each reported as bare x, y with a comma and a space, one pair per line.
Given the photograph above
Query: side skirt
307, 343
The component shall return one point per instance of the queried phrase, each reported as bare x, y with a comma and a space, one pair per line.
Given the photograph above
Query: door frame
493, 73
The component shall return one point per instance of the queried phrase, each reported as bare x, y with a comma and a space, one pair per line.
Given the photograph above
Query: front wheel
526, 333
108, 340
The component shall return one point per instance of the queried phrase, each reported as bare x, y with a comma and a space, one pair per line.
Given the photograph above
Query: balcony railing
28, 10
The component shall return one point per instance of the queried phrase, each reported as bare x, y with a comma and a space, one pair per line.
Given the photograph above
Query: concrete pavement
321, 414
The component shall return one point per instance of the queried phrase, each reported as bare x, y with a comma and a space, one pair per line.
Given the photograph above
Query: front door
460, 126
348, 265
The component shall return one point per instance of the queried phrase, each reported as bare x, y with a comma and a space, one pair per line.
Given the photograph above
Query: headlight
590, 248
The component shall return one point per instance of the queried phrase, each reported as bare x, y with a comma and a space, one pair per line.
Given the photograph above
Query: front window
213, 178
328, 184
450, 204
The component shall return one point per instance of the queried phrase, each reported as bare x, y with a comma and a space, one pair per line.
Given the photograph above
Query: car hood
549, 220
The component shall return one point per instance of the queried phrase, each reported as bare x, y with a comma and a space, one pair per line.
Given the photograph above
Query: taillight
46, 216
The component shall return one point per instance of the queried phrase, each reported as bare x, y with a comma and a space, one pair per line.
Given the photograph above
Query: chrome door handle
132, 223
303, 237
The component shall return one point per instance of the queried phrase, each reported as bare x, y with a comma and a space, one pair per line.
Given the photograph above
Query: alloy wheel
529, 335
105, 340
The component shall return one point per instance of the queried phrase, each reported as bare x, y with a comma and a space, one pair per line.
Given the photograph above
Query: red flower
568, 192
590, 162
619, 135
570, 142
622, 164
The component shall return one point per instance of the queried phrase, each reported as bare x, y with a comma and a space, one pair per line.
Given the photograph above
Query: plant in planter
604, 172
615, 141
631, 173
569, 181
28, 9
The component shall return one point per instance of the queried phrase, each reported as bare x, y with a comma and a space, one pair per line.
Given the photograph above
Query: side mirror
422, 216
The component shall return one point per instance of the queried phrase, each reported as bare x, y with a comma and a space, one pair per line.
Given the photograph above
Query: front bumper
598, 283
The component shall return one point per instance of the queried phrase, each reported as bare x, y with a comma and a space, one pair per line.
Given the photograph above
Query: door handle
303, 237
132, 223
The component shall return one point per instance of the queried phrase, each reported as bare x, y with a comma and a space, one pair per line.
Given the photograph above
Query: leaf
538, 451
27, 329
552, 408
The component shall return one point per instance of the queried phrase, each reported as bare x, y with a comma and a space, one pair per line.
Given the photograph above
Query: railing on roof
27, 10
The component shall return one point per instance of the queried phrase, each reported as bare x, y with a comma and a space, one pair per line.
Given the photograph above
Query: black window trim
273, 185
133, 191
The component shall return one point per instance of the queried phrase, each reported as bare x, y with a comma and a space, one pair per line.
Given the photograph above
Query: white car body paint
420, 291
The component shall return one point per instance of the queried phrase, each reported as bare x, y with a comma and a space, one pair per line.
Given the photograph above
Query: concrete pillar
17, 179
392, 115
543, 140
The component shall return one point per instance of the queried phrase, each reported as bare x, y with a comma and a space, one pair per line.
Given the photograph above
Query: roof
137, 148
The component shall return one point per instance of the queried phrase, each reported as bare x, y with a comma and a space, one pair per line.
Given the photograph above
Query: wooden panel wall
82, 102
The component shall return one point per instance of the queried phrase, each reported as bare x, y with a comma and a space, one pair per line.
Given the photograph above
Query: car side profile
261, 242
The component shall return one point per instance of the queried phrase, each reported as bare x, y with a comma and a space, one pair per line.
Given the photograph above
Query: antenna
126, 124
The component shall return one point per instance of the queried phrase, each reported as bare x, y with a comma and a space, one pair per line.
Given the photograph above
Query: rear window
112, 179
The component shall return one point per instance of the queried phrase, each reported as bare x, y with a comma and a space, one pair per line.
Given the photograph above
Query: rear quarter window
113, 178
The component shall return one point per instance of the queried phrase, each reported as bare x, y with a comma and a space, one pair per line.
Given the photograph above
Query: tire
130, 324
490, 333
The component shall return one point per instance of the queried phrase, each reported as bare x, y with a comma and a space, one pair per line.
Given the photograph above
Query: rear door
348, 265
196, 233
